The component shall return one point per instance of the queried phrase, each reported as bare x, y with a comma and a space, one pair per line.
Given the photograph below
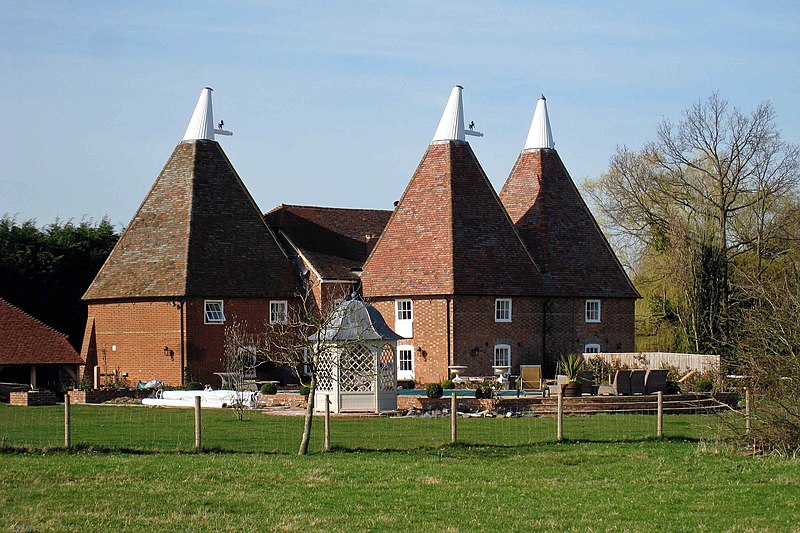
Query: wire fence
171, 429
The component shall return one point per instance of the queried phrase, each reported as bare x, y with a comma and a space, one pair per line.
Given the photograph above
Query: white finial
451, 127
201, 126
540, 135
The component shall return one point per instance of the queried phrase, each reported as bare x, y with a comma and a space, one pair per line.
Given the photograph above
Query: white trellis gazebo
357, 369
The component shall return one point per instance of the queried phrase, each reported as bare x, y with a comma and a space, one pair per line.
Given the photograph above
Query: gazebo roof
356, 320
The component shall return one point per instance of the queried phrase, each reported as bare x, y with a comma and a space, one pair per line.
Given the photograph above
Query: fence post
327, 422
747, 410
453, 419
198, 424
560, 423
67, 424
660, 430
96, 377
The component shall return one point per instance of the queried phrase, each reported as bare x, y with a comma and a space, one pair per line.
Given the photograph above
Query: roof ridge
3, 300
332, 208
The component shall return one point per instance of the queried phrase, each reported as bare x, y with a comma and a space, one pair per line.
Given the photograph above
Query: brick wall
32, 398
430, 334
130, 337
568, 331
476, 333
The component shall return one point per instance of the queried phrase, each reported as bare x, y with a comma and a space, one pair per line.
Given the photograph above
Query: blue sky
334, 103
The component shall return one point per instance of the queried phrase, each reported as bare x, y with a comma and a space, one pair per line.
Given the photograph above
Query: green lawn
510, 478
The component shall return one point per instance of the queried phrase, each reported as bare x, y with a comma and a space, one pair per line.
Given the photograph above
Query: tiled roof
25, 340
197, 233
333, 240
560, 231
450, 235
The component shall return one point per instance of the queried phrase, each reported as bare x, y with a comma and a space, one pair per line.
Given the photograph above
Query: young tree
301, 342
240, 359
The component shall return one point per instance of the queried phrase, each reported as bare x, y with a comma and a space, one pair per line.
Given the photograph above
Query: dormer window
593, 311
214, 312
502, 310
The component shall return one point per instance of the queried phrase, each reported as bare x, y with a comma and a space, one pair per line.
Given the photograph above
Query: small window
592, 310
278, 312
214, 312
404, 318
405, 362
502, 355
591, 348
502, 310
403, 310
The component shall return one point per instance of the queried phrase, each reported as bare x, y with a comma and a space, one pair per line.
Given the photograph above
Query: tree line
707, 217
45, 271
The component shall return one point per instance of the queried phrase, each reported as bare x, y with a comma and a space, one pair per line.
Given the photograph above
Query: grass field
504, 479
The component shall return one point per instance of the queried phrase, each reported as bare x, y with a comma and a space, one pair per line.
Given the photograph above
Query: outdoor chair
620, 384
530, 377
587, 382
655, 380
637, 381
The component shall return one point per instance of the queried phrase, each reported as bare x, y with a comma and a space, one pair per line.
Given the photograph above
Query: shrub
193, 385
479, 392
484, 391
269, 388
447, 384
704, 385
411, 384
434, 390
305, 390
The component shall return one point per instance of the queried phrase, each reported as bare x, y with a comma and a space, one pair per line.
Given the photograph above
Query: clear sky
334, 103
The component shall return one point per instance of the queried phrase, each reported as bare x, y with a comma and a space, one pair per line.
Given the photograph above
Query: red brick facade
130, 337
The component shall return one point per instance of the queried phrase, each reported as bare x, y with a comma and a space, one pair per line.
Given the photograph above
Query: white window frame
273, 315
209, 316
405, 374
589, 311
499, 311
591, 347
404, 317
498, 362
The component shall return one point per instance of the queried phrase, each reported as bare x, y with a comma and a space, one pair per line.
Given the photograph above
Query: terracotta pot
572, 390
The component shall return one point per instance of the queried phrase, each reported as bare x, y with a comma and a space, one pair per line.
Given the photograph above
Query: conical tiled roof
450, 235
197, 233
560, 231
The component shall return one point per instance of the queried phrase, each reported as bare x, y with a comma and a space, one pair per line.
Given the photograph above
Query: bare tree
299, 342
240, 359
705, 193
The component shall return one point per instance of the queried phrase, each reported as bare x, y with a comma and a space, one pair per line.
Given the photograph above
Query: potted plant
572, 365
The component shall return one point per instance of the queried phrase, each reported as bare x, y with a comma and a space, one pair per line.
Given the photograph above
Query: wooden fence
683, 361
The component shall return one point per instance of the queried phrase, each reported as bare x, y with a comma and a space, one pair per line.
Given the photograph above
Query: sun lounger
655, 380
637, 381
530, 377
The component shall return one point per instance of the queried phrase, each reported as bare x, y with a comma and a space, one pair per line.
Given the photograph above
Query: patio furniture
655, 380
530, 377
555, 388
620, 384
586, 380
637, 381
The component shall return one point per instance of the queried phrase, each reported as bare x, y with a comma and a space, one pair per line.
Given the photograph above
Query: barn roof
25, 340
557, 226
449, 234
335, 241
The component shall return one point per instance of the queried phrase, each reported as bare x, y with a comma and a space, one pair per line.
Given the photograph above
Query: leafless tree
687, 206
298, 342
240, 359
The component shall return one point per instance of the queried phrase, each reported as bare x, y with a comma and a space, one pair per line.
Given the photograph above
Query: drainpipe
544, 332
180, 304
449, 351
